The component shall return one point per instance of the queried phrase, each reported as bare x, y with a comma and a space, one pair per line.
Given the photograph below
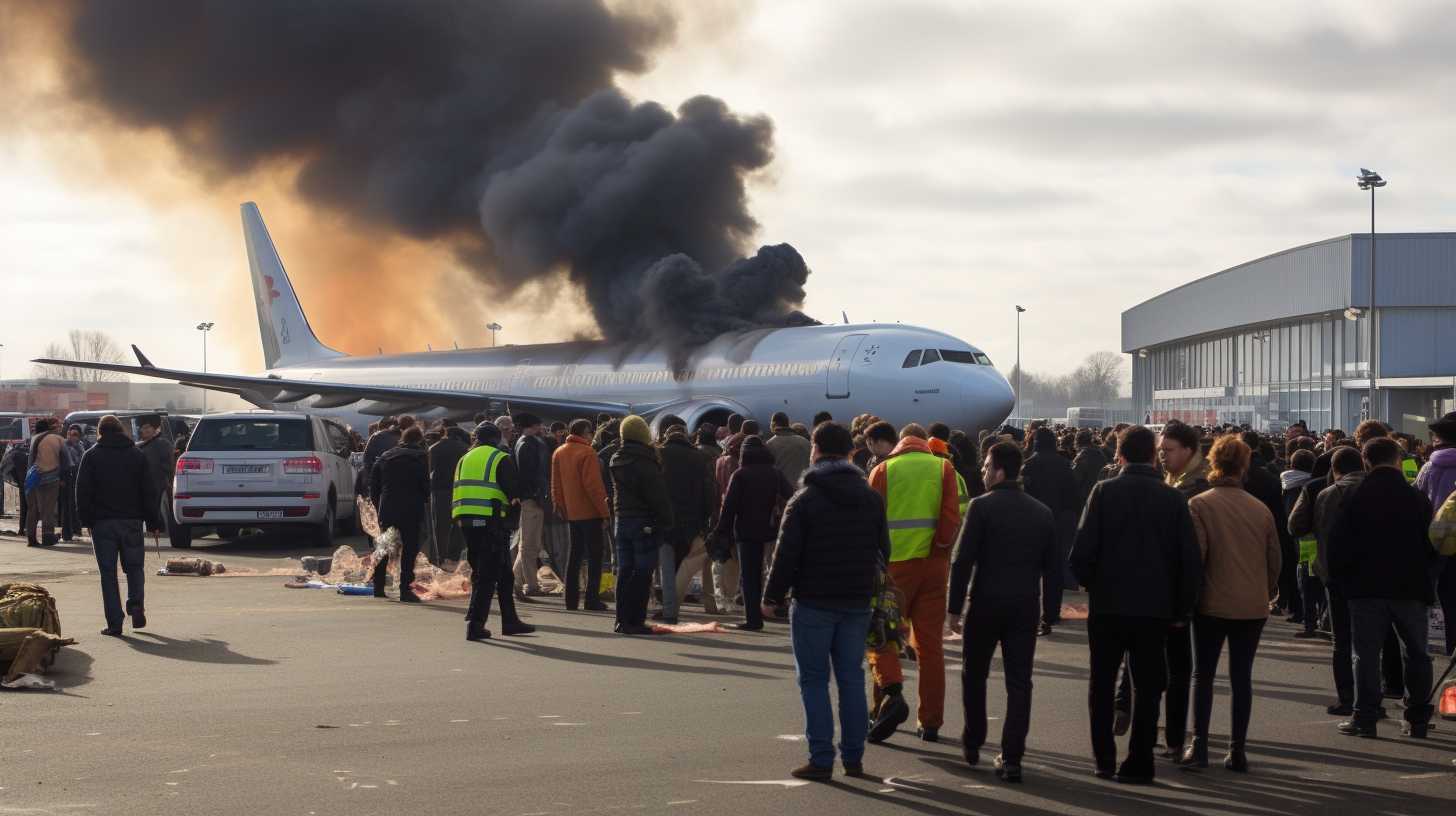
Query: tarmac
245, 697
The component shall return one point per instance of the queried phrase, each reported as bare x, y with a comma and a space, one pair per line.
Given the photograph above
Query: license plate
270, 514
246, 468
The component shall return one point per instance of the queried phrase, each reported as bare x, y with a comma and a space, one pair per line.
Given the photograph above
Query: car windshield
11, 428
265, 434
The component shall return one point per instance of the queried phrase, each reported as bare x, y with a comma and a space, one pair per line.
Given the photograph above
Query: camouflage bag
28, 606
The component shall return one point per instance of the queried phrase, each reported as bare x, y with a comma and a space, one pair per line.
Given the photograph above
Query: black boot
476, 631
1196, 756
1236, 760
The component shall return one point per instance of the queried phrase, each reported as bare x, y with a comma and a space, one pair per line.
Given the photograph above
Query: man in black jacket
1382, 562
1137, 554
690, 484
533, 463
1009, 540
116, 494
400, 490
643, 511
443, 456
832, 541
1049, 479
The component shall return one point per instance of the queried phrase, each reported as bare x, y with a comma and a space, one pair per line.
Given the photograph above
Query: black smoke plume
492, 127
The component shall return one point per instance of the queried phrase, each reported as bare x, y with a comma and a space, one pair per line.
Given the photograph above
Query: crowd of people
876, 542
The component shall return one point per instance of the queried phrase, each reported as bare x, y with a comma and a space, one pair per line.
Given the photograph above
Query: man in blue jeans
1383, 564
116, 493
832, 543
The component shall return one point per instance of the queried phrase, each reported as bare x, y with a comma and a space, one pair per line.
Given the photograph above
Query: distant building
63, 396
1286, 337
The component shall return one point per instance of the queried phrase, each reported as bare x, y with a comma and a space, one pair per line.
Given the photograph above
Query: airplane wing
382, 399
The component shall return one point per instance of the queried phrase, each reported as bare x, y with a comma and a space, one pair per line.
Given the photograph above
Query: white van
265, 469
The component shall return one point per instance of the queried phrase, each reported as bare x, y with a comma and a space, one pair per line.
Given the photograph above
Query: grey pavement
244, 697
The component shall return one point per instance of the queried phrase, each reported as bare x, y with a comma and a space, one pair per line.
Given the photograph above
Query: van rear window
265, 434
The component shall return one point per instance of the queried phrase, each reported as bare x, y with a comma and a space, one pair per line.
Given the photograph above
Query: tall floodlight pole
1019, 310
1369, 180
494, 327
204, 328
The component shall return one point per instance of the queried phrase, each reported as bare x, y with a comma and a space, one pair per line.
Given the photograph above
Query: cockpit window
931, 356
912, 359
982, 359
965, 357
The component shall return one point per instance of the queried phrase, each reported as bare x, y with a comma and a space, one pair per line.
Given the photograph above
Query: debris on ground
27, 651
710, 627
192, 566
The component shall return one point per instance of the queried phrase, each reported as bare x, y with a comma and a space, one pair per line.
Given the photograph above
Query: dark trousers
1142, 640
1013, 628
1311, 595
409, 538
488, 551
1178, 656
636, 561
1446, 592
66, 510
1288, 575
120, 540
1209, 634
1342, 661
1051, 596
1370, 623
586, 539
750, 565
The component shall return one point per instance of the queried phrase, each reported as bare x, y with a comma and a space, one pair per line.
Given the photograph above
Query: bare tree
1096, 381
86, 345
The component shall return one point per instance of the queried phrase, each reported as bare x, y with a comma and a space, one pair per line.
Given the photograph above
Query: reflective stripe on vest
1409, 467
964, 494
476, 492
912, 503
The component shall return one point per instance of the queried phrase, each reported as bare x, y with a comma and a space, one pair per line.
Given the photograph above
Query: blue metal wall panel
1414, 269
1417, 342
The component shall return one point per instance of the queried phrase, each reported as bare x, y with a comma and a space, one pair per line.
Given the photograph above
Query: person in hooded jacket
399, 487
1437, 479
1048, 478
1087, 465
833, 538
1292, 483
1314, 514
726, 575
579, 492
643, 510
748, 518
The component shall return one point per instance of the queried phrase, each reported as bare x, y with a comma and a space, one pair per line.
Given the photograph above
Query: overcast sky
936, 164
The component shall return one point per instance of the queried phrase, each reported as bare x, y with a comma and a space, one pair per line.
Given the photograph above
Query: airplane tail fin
287, 337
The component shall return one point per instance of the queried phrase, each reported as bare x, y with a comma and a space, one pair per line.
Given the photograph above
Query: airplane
900, 373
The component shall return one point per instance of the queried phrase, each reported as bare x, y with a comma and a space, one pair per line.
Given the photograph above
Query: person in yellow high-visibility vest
482, 500
921, 503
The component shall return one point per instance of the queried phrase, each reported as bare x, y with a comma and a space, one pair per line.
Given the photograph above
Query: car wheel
324, 533
228, 533
181, 537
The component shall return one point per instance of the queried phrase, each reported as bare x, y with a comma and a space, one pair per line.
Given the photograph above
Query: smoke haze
489, 131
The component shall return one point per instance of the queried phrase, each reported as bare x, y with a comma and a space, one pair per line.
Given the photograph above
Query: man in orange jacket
580, 495
922, 503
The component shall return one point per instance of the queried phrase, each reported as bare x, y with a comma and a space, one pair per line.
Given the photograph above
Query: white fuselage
843, 369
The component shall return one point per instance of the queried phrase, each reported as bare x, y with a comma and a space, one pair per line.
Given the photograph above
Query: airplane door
837, 386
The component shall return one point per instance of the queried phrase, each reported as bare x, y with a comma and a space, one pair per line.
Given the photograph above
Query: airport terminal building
1287, 337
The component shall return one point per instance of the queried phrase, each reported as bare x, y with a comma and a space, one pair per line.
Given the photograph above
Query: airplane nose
989, 400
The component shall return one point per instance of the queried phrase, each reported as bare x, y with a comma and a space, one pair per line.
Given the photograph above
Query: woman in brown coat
1241, 564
